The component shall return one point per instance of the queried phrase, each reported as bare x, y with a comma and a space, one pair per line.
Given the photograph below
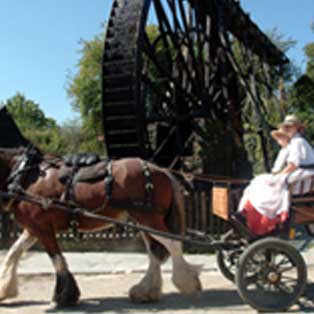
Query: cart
269, 272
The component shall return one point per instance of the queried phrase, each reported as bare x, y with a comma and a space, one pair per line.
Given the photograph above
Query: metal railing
199, 217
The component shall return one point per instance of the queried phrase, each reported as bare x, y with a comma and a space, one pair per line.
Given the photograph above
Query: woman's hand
289, 168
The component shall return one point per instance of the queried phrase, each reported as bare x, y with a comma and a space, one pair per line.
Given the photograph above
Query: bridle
27, 161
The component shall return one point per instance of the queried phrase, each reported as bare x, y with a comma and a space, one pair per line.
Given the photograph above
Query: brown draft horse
41, 179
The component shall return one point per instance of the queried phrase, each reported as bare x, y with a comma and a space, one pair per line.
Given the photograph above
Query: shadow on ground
208, 299
172, 301
306, 303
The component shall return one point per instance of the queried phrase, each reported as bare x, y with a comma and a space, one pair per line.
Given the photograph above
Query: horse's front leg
66, 291
8, 276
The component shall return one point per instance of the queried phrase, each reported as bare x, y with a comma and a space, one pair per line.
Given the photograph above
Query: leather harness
31, 159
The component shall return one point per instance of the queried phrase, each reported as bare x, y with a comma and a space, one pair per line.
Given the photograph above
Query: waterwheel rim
163, 86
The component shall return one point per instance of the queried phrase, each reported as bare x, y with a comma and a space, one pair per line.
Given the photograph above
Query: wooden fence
198, 217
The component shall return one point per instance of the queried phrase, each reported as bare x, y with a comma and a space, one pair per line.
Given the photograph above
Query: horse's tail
175, 220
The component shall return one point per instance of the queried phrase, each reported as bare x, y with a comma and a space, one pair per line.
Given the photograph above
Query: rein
30, 160
72, 209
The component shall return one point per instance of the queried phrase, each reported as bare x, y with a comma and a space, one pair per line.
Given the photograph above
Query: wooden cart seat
302, 208
226, 195
302, 201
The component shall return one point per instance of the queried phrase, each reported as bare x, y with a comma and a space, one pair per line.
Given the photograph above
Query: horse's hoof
8, 293
67, 293
193, 286
8, 296
138, 294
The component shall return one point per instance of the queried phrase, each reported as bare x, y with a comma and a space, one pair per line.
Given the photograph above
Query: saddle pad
84, 174
92, 173
81, 160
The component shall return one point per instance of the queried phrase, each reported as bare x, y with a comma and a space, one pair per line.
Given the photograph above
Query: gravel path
109, 294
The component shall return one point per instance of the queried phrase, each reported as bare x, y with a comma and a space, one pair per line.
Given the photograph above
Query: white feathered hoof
142, 294
8, 288
186, 278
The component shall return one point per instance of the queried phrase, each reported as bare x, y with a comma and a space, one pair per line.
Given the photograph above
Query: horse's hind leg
149, 288
8, 276
185, 276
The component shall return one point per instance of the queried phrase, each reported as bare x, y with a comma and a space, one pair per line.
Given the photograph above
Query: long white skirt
269, 196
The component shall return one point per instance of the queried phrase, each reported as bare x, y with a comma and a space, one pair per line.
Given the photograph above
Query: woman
265, 202
283, 139
300, 156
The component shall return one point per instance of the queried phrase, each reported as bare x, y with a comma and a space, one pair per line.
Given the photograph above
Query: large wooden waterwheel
168, 70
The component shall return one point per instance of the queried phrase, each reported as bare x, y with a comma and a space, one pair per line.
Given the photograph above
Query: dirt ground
108, 294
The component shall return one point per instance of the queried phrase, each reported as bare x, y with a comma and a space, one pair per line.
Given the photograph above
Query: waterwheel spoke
165, 26
207, 62
191, 26
165, 35
158, 88
200, 42
164, 72
187, 30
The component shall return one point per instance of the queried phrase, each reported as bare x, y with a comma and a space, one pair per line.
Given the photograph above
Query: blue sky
292, 18
39, 42
39, 47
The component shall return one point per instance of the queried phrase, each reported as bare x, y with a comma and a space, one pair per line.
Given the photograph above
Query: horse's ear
10, 134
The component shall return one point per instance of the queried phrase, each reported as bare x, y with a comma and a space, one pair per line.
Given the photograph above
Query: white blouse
281, 160
300, 152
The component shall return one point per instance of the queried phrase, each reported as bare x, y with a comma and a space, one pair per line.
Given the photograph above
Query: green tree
39, 129
301, 98
28, 114
268, 109
309, 52
72, 137
84, 89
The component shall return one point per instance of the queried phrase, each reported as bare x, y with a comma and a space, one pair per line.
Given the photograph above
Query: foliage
309, 52
71, 137
39, 129
84, 89
27, 113
290, 70
301, 98
268, 90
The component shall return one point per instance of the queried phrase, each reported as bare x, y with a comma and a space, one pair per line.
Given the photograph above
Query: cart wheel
227, 260
271, 275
